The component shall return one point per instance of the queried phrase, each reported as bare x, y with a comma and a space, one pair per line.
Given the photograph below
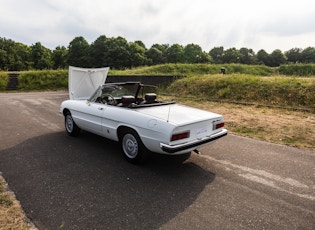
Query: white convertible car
131, 114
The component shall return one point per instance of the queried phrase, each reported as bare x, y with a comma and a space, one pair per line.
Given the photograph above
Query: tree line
118, 53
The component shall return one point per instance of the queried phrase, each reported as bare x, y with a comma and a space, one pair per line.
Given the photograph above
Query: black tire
132, 147
71, 127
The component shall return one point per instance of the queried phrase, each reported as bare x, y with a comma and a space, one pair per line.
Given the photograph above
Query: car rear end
189, 137
185, 128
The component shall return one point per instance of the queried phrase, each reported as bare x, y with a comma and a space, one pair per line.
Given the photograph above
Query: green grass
43, 80
297, 70
3, 81
277, 90
242, 83
197, 69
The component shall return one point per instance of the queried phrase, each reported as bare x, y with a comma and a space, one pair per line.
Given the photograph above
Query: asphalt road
84, 183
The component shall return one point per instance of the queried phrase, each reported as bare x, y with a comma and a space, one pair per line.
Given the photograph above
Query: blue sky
256, 24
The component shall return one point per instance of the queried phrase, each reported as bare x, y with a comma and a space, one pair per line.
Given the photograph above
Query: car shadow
85, 183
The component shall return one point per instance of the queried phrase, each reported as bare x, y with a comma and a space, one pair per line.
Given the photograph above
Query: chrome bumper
193, 144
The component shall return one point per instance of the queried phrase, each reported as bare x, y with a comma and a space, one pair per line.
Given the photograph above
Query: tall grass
197, 69
295, 92
298, 70
43, 80
3, 81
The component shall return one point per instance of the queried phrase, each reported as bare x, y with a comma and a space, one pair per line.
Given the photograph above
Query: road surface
84, 182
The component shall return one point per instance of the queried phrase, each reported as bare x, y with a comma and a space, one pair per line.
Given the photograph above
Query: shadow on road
84, 183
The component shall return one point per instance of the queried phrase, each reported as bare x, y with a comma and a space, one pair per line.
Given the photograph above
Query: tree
308, 55
59, 57
277, 58
263, 57
217, 54
231, 55
78, 52
117, 53
137, 52
294, 55
41, 56
175, 54
98, 52
14, 56
247, 56
194, 54
157, 54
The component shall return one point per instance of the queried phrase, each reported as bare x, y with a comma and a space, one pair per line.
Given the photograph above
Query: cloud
253, 24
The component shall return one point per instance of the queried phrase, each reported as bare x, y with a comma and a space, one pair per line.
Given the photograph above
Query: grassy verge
276, 90
11, 214
197, 69
43, 80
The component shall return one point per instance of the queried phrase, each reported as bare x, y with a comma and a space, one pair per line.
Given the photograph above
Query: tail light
180, 136
219, 125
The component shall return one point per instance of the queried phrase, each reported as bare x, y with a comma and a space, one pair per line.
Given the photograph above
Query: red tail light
179, 136
219, 125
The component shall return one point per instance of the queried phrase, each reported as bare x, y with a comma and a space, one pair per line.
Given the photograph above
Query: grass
256, 84
3, 81
275, 125
276, 90
197, 69
11, 213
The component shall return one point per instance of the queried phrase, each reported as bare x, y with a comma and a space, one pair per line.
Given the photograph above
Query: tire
71, 127
132, 147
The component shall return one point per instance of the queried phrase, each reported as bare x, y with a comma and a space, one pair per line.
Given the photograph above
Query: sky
255, 24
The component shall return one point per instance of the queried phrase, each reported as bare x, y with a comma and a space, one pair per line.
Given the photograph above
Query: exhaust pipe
197, 151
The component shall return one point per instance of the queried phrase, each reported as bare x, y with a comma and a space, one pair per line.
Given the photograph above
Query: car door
91, 117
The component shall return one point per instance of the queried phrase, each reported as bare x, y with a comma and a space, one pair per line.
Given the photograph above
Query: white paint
288, 185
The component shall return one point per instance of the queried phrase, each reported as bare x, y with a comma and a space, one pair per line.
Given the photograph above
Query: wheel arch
123, 129
65, 111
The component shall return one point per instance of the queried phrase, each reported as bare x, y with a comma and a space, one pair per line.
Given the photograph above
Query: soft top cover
84, 81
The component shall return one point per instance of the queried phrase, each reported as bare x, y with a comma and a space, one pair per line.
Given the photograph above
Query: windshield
116, 93
119, 90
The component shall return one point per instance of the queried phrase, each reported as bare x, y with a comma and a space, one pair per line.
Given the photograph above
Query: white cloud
267, 24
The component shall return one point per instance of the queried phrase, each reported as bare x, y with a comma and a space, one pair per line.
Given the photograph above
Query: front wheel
71, 127
132, 147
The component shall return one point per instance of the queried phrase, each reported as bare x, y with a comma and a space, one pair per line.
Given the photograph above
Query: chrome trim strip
177, 148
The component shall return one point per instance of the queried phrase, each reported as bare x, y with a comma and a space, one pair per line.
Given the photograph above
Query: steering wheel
110, 100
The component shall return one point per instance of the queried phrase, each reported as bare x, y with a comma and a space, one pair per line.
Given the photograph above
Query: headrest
127, 100
150, 97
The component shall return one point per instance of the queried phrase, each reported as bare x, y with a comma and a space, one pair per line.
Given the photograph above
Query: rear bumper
192, 145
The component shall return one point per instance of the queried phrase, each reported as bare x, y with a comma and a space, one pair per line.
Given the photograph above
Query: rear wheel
132, 147
71, 127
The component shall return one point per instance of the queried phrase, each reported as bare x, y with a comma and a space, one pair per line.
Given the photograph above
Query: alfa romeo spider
131, 114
